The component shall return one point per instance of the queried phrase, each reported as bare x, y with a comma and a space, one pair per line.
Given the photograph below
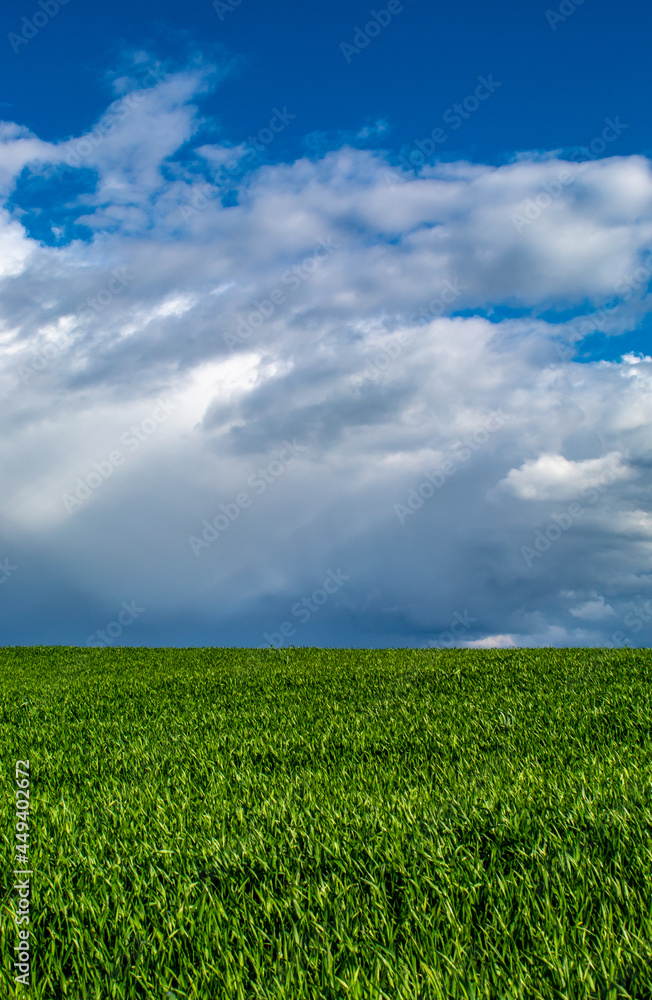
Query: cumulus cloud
594, 611
157, 369
553, 477
492, 642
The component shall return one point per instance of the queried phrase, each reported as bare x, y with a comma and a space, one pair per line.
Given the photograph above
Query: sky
325, 324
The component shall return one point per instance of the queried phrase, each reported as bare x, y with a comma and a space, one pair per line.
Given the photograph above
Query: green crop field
312, 823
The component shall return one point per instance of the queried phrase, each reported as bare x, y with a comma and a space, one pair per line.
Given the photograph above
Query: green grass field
310, 823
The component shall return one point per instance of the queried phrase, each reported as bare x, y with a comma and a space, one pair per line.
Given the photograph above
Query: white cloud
322, 318
636, 359
553, 477
492, 642
15, 249
593, 611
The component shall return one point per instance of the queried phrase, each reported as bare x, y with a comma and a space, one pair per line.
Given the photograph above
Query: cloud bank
277, 359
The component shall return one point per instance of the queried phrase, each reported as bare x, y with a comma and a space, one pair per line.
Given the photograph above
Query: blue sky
325, 324
556, 85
